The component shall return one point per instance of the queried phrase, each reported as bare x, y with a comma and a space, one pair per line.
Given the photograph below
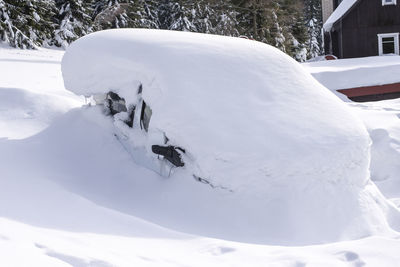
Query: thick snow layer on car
257, 126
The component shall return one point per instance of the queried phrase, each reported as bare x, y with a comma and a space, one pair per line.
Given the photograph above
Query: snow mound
356, 72
257, 126
27, 107
382, 122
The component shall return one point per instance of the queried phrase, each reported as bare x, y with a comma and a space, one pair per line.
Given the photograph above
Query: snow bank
49, 248
277, 143
339, 12
355, 72
31, 99
382, 121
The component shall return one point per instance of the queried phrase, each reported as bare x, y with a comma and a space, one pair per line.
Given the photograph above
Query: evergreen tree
250, 17
293, 26
25, 23
294, 29
125, 13
299, 47
216, 17
276, 22
274, 29
261, 21
204, 16
177, 15
73, 21
6, 25
225, 18
98, 6
313, 18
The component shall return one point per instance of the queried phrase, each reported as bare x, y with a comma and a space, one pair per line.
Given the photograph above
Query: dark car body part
131, 116
170, 153
145, 116
115, 103
205, 181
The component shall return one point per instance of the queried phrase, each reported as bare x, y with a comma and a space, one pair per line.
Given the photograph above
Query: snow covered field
71, 196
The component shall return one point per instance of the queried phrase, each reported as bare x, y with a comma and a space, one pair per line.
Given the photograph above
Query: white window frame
392, 2
386, 35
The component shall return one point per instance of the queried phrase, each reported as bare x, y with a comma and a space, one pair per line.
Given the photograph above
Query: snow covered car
241, 117
222, 109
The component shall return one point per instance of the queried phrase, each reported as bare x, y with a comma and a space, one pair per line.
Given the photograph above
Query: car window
145, 116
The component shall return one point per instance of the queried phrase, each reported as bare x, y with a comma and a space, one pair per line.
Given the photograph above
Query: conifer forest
293, 26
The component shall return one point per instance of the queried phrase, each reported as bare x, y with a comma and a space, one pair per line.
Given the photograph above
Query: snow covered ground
381, 118
32, 91
382, 121
60, 207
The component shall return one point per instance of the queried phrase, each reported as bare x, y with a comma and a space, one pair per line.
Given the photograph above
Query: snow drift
289, 155
355, 72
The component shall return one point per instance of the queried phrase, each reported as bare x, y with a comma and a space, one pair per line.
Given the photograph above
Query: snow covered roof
339, 12
253, 121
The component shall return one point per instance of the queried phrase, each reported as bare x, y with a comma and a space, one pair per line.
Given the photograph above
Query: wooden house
361, 28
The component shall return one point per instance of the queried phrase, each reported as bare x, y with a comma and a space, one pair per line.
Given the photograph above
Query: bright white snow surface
382, 121
71, 196
27, 103
355, 72
381, 118
339, 12
289, 159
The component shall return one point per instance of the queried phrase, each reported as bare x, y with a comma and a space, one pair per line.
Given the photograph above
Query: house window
388, 2
388, 43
